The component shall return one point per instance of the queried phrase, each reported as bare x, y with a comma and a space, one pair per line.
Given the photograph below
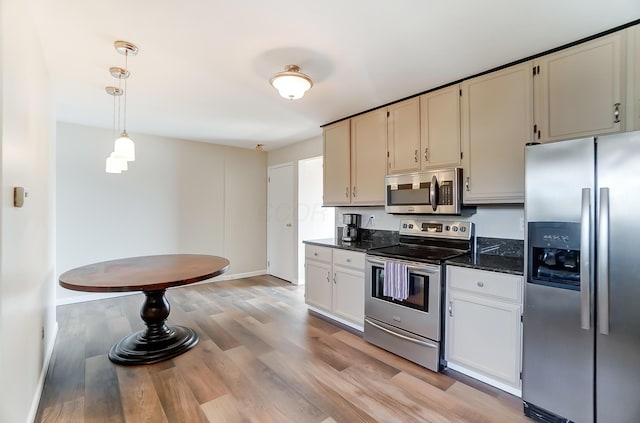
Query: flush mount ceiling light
291, 83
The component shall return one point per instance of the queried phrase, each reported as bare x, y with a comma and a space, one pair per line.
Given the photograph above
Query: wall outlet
372, 221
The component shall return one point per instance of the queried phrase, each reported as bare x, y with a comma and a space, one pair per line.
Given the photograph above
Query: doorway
280, 223
314, 221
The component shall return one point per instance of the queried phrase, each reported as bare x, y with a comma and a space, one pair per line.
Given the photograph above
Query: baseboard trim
488, 380
335, 318
43, 374
101, 296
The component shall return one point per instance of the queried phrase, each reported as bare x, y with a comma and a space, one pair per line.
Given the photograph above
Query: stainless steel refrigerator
581, 339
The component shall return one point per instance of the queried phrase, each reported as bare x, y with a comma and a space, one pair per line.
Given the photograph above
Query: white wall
27, 257
490, 221
177, 197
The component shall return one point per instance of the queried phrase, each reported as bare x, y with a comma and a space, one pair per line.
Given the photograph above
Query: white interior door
281, 228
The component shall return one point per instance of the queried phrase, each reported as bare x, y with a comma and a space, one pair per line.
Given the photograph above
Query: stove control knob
463, 229
454, 229
410, 225
404, 226
447, 228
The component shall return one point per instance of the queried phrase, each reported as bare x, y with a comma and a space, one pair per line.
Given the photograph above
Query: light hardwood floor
261, 358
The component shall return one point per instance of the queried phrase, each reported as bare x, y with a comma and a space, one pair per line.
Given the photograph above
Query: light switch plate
18, 196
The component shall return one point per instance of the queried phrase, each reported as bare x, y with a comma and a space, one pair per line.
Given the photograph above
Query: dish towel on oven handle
396, 280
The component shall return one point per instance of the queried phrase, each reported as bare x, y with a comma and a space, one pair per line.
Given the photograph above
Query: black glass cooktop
420, 253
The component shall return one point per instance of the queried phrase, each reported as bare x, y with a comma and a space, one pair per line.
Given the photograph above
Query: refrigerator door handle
603, 262
585, 260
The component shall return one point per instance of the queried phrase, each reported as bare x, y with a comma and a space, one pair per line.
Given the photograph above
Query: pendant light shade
124, 148
115, 165
291, 83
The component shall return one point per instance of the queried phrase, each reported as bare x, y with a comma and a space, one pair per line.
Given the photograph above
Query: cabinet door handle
467, 184
450, 309
354, 192
346, 192
334, 278
480, 284
426, 154
348, 260
616, 113
315, 254
328, 276
415, 156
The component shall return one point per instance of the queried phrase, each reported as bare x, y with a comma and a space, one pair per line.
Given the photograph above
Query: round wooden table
152, 275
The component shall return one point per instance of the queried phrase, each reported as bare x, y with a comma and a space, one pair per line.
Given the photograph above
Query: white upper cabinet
497, 122
403, 136
368, 158
440, 128
579, 90
337, 164
355, 160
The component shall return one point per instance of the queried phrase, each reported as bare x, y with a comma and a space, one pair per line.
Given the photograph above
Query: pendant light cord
126, 69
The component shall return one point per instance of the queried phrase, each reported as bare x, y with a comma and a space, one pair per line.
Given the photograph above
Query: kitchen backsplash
490, 221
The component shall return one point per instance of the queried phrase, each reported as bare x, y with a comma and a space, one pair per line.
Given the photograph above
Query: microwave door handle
433, 190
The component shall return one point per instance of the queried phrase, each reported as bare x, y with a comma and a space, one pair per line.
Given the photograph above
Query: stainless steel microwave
428, 192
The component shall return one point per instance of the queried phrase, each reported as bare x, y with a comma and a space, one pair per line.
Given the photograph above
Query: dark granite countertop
494, 254
361, 246
369, 238
491, 262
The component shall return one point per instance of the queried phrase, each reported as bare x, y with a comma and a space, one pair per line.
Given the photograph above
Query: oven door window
418, 289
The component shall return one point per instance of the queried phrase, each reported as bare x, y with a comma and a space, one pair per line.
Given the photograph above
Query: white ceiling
203, 69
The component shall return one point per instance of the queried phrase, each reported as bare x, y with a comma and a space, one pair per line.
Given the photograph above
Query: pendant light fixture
291, 83
124, 148
114, 164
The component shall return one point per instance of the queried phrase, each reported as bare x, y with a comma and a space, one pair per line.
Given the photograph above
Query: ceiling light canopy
291, 83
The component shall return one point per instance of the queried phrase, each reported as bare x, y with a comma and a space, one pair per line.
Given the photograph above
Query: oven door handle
406, 338
417, 268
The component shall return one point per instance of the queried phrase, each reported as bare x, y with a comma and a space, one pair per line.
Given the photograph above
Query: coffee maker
351, 231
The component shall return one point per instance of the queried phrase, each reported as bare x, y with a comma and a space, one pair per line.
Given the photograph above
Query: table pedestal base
158, 342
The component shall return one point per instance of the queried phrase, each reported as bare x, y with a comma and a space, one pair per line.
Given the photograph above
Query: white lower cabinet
334, 284
483, 329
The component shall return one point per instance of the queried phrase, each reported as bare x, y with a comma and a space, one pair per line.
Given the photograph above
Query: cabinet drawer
352, 259
314, 252
493, 284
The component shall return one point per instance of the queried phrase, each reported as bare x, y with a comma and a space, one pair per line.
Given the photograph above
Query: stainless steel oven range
404, 286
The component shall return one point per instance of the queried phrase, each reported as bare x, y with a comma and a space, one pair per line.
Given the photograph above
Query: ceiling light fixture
259, 148
291, 83
114, 164
124, 148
